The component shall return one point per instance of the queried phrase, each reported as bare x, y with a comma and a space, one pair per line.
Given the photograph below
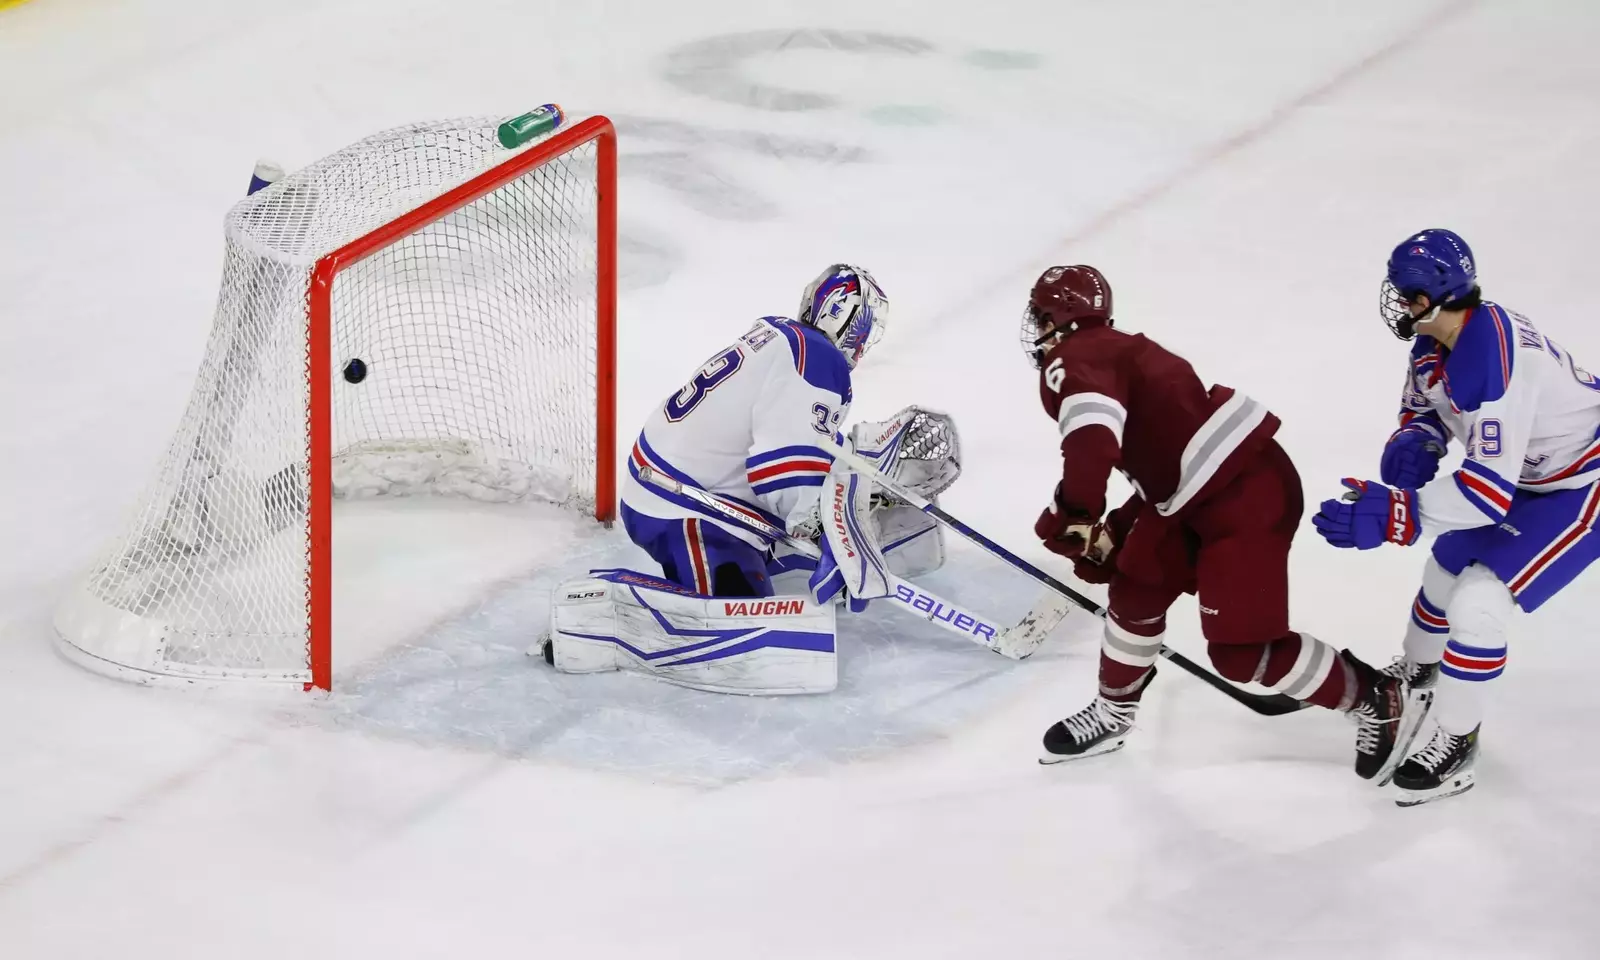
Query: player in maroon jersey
1214, 512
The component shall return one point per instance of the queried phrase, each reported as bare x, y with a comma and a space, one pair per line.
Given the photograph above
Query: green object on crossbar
537, 122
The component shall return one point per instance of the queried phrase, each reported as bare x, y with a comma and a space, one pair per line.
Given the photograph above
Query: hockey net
421, 312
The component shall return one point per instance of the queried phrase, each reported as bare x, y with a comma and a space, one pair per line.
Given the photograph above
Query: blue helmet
1435, 263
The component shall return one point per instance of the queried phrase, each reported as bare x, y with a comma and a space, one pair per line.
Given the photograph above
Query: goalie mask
1063, 300
849, 307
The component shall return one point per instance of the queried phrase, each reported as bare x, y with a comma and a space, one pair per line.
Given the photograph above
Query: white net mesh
464, 363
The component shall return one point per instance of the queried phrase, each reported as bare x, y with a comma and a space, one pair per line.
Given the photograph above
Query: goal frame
319, 360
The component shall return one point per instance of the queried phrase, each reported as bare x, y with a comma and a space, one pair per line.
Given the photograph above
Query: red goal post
320, 330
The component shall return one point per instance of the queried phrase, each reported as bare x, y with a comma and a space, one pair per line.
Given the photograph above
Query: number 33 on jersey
754, 425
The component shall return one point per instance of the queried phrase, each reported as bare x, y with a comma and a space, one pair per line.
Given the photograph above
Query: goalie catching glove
917, 448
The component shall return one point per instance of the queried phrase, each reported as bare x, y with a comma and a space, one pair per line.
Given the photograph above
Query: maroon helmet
1063, 300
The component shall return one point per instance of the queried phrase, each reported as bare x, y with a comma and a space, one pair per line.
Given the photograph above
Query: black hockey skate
1378, 713
1101, 727
1444, 768
1420, 679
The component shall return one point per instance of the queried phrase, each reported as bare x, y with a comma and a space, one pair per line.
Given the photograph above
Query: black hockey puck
356, 370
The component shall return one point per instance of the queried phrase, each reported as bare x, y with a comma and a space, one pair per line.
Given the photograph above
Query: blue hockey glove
1411, 457
1369, 515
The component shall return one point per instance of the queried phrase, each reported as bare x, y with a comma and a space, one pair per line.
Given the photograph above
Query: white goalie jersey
753, 427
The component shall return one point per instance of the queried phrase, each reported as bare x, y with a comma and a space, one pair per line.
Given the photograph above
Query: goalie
730, 481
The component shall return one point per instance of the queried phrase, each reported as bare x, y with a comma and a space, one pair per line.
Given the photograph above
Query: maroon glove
1072, 533
1099, 566
1090, 572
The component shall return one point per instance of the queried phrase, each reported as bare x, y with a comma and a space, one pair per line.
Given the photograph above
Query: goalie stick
1026, 635
1266, 704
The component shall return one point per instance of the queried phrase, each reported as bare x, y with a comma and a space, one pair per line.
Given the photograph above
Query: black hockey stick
1266, 704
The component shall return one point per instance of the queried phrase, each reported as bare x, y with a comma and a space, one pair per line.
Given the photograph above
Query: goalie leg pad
624, 620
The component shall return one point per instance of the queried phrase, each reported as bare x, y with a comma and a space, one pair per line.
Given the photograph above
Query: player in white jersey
1515, 523
754, 427
725, 466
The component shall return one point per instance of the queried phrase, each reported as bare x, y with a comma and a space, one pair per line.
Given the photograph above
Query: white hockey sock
1476, 652
1429, 627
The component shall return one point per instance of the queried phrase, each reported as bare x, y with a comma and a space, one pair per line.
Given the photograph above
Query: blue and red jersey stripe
1485, 489
1502, 332
697, 556
797, 344
792, 466
1582, 527
642, 455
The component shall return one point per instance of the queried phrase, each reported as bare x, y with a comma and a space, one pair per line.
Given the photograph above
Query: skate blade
1460, 783
541, 648
1418, 703
1109, 746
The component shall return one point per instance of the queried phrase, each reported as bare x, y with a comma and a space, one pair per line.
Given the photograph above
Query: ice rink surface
1239, 170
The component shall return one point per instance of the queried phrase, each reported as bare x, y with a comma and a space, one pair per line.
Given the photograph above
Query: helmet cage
1036, 328
1395, 307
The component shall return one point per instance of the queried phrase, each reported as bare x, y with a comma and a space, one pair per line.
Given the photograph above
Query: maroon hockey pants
1233, 551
